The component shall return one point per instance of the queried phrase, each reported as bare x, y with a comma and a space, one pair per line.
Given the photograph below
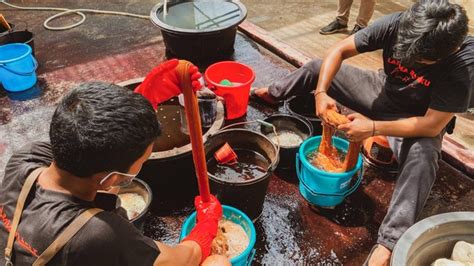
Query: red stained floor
289, 231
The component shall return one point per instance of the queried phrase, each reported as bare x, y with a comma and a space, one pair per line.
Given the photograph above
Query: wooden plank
267, 40
458, 156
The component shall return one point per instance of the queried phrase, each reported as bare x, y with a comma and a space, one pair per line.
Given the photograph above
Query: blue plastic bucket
323, 188
238, 217
17, 67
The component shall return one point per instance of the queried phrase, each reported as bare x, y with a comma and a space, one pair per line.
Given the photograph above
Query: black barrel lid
198, 16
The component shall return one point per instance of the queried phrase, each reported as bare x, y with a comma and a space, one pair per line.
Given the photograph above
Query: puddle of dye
250, 165
166, 229
282, 232
201, 15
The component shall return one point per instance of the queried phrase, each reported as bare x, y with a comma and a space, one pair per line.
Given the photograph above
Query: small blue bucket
238, 217
17, 67
323, 188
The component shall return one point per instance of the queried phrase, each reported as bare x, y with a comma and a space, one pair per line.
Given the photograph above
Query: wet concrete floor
289, 231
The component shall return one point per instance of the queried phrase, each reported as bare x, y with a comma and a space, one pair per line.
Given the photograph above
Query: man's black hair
430, 30
100, 127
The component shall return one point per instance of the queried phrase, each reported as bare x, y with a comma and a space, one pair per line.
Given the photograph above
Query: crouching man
50, 212
428, 75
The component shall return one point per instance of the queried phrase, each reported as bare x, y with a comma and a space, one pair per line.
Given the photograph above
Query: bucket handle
258, 121
345, 194
298, 165
356, 185
35, 66
250, 257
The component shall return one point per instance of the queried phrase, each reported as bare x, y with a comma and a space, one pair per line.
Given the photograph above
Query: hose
65, 11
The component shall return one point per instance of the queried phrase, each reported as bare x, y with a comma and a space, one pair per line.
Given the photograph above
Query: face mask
125, 182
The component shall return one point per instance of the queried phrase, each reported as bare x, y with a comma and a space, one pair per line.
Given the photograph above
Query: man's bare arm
186, 253
429, 125
333, 60
331, 64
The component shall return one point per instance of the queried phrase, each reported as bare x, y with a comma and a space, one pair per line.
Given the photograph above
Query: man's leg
301, 81
357, 89
340, 23
366, 11
343, 11
418, 159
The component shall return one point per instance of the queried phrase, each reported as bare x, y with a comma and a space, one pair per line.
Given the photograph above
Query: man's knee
313, 66
424, 151
426, 146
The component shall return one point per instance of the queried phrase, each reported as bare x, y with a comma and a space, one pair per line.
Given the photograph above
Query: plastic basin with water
238, 217
199, 31
246, 195
321, 188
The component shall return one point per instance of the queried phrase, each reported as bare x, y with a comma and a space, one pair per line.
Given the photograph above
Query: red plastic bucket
237, 96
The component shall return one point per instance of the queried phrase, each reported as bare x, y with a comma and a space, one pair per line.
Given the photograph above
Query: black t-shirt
445, 86
107, 239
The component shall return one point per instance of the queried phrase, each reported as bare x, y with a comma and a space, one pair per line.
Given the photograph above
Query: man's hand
359, 128
216, 260
323, 103
207, 219
163, 83
208, 210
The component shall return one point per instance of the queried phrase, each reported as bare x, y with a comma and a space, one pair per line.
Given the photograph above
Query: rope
65, 11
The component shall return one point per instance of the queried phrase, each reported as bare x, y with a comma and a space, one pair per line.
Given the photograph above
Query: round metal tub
141, 188
304, 105
296, 124
433, 238
170, 173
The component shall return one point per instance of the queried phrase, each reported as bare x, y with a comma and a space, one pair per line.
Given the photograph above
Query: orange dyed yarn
328, 157
335, 118
195, 130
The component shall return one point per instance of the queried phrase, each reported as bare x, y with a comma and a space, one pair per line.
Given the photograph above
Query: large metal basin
433, 238
170, 173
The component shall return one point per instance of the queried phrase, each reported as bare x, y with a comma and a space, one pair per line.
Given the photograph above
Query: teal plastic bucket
323, 188
17, 67
329, 199
238, 217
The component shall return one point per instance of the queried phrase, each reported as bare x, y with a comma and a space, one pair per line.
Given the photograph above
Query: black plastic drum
199, 31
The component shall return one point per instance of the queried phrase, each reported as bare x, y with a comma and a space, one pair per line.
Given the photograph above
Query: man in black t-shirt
428, 76
100, 134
